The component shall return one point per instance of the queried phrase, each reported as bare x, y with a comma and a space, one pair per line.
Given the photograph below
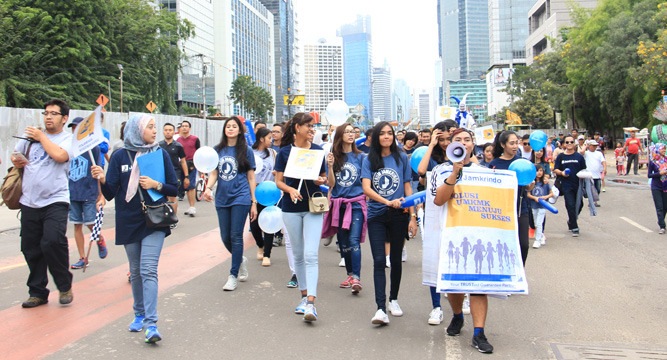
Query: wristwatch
159, 186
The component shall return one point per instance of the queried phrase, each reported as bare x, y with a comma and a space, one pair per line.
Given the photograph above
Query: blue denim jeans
305, 231
143, 257
350, 240
232, 221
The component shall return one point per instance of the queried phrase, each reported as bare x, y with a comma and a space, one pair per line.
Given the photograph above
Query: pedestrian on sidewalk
234, 195
190, 145
573, 162
143, 244
619, 153
45, 203
657, 172
304, 228
262, 149
633, 147
86, 199
596, 164
386, 179
542, 190
177, 155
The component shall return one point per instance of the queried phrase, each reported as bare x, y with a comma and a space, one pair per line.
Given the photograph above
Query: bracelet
446, 183
254, 202
413, 215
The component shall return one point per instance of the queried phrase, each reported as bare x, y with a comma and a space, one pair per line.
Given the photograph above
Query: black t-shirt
502, 164
364, 148
575, 162
176, 153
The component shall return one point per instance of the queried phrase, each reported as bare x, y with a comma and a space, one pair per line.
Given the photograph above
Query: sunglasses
569, 142
526, 144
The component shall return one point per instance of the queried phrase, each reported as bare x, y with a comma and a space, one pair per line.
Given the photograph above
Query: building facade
425, 108
476, 100
323, 72
401, 102
545, 19
357, 64
244, 46
196, 81
287, 55
382, 93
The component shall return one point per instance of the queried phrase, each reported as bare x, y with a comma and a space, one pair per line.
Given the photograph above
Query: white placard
88, 133
304, 164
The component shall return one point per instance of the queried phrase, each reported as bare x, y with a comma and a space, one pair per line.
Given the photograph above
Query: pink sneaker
346, 284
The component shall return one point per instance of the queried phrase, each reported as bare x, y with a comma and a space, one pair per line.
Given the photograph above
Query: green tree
70, 50
253, 99
533, 109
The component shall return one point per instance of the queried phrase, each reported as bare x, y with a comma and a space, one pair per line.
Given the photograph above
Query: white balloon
270, 220
337, 112
259, 163
206, 159
317, 138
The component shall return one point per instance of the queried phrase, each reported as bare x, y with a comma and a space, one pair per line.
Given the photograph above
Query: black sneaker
575, 232
454, 328
480, 343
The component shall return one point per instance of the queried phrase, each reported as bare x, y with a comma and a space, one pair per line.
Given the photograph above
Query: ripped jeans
350, 241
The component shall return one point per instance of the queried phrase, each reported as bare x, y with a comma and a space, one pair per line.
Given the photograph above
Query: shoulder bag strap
141, 196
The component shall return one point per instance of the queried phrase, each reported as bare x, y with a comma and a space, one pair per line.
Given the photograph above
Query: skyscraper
463, 38
357, 63
402, 102
287, 53
382, 93
323, 71
198, 71
424, 104
243, 47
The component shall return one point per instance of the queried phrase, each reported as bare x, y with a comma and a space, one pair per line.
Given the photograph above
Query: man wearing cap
45, 204
632, 147
581, 144
596, 164
85, 198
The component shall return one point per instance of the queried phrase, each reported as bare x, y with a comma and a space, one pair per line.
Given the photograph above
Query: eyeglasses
52, 113
569, 142
349, 132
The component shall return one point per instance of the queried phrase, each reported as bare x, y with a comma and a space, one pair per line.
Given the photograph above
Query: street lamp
120, 67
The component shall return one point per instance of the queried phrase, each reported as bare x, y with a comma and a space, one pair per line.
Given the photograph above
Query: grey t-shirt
45, 181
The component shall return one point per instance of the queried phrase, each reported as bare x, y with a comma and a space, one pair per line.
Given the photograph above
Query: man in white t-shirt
596, 164
526, 151
45, 204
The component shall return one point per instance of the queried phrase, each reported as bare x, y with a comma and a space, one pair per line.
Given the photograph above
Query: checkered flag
97, 227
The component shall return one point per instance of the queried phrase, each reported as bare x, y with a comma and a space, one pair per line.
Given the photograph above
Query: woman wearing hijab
142, 244
657, 172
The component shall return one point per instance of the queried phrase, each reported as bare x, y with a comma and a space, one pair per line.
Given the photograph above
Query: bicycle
200, 186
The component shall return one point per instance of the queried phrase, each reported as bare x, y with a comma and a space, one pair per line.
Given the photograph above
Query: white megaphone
456, 152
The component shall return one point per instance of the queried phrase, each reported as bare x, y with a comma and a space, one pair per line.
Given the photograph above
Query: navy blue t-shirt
233, 188
348, 179
82, 184
286, 204
502, 164
575, 162
364, 148
540, 189
130, 218
388, 182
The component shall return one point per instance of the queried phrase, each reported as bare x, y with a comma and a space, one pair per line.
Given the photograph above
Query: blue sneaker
79, 264
102, 248
310, 314
138, 323
302, 306
152, 335
293, 283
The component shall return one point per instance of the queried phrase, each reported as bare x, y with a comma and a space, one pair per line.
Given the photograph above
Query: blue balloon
267, 193
414, 199
417, 157
324, 188
360, 141
538, 140
548, 206
525, 171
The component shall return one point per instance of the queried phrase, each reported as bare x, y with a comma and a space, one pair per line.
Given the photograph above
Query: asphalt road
602, 292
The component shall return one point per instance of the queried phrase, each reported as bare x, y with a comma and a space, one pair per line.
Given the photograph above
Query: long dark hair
438, 153
289, 130
337, 148
534, 155
375, 154
500, 140
259, 135
539, 167
241, 146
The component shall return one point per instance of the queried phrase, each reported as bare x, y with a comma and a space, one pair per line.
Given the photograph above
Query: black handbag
558, 184
159, 215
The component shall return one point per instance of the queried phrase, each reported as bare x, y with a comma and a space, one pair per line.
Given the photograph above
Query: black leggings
523, 236
261, 239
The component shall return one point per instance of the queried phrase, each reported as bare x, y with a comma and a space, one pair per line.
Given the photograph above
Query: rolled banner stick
324, 188
548, 206
414, 199
360, 141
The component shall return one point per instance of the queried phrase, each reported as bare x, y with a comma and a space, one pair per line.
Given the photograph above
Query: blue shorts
193, 179
82, 212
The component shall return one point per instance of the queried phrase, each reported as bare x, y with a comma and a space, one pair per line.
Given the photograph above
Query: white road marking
452, 347
631, 222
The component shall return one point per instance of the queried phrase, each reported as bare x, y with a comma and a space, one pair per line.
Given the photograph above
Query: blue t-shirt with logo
348, 179
233, 188
82, 184
388, 182
540, 189
286, 204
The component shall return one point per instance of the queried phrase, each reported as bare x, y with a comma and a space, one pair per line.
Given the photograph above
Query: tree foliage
70, 50
253, 99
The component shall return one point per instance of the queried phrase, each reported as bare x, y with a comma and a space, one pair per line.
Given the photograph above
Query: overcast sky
404, 32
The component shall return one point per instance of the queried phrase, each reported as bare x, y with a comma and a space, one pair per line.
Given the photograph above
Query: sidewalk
9, 220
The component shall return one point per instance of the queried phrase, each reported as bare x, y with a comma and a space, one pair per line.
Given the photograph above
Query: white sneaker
231, 283
536, 244
388, 264
543, 240
466, 305
243, 270
435, 317
191, 211
342, 262
380, 318
394, 308
404, 255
